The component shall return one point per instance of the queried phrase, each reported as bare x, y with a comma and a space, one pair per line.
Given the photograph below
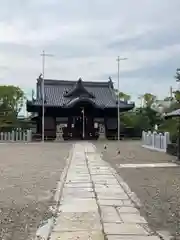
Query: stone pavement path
94, 204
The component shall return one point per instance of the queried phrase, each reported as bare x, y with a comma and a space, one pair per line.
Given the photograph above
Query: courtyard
30, 172
156, 187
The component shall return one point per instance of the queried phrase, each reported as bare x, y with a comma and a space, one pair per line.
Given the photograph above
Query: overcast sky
86, 36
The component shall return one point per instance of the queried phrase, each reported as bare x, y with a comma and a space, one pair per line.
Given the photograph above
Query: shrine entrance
81, 123
83, 127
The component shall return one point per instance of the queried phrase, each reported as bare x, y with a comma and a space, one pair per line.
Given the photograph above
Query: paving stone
79, 169
78, 185
106, 181
99, 188
75, 167
102, 177
78, 205
78, 177
79, 172
128, 203
109, 214
98, 168
106, 195
110, 202
69, 190
89, 221
90, 148
127, 210
78, 181
132, 218
120, 237
78, 194
116, 187
124, 229
100, 172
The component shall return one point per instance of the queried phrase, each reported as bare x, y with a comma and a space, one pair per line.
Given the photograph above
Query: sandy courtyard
158, 188
28, 177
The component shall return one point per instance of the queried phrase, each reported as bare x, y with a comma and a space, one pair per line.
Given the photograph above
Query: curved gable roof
78, 90
76, 100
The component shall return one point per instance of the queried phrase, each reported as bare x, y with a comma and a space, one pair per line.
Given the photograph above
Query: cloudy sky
86, 36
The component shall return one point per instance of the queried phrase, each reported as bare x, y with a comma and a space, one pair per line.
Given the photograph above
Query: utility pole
118, 109
43, 55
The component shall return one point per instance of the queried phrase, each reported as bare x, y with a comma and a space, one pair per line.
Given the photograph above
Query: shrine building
79, 110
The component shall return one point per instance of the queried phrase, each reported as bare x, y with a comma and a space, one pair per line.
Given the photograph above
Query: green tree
171, 125
11, 102
177, 96
148, 99
123, 96
177, 76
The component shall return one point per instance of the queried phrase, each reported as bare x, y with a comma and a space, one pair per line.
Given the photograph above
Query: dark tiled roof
59, 93
78, 90
175, 113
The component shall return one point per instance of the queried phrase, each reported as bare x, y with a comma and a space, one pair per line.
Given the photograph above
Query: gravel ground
157, 188
28, 177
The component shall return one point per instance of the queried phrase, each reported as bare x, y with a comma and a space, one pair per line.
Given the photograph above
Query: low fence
155, 141
16, 136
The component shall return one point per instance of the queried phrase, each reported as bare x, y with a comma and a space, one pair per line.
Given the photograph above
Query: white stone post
29, 135
149, 138
13, 136
160, 141
16, 133
24, 136
20, 135
5, 136
153, 139
9, 136
167, 136
2, 136
143, 137
164, 142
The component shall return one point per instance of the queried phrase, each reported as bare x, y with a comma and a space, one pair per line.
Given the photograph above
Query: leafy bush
172, 149
171, 126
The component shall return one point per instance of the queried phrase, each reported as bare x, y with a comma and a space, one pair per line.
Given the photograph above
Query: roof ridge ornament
80, 80
110, 82
78, 90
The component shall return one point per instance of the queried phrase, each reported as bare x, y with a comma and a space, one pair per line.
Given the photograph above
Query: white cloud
86, 36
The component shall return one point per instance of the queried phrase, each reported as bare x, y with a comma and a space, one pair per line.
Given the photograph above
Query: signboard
99, 120
62, 119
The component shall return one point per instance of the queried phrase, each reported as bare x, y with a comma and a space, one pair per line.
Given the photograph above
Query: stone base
59, 137
102, 135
